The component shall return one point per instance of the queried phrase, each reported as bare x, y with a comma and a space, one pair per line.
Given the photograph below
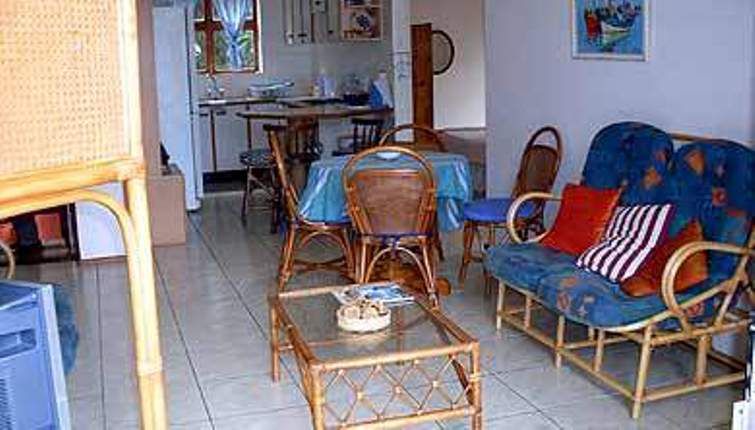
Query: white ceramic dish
362, 325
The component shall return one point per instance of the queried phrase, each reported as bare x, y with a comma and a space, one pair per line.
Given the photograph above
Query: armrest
514, 209
11, 260
680, 256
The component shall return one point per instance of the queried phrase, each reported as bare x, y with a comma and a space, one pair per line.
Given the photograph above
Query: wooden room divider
70, 119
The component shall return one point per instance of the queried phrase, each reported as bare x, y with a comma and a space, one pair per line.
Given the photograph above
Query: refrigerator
177, 98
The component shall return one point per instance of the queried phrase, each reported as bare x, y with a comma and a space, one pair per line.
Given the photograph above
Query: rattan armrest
514, 209
680, 256
11, 260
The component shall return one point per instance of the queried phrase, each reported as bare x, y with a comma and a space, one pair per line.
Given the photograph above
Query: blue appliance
32, 383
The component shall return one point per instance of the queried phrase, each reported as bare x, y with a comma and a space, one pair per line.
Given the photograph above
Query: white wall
699, 79
460, 92
299, 63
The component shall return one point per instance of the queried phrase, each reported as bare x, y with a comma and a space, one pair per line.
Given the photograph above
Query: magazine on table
389, 294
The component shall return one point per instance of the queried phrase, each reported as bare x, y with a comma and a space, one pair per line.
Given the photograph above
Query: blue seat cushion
523, 265
579, 295
591, 299
257, 158
495, 210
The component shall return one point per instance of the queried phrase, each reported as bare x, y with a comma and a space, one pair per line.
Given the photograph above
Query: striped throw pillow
627, 241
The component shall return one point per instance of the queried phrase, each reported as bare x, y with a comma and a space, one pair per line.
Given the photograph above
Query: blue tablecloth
323, 198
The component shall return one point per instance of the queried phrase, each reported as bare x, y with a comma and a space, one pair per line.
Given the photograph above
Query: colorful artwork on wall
611, 29
361, 20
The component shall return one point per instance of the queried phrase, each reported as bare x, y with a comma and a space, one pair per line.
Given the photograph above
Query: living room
419, 215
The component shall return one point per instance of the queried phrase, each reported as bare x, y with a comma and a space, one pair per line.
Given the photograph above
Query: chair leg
348, 252
287, 258
438, 243
500, 306
430, 273
245, 199
489, 244
642, 373
466, 258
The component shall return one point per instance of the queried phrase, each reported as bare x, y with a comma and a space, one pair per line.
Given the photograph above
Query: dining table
323, 198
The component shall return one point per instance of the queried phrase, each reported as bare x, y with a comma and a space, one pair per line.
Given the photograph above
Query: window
210, 43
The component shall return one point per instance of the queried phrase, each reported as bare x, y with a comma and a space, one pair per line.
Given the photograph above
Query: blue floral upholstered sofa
712, 181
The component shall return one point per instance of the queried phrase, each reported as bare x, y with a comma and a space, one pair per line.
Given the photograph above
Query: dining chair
301, 231
538, 169
260, 175
302, 147
423, 139
366, 133
392, 210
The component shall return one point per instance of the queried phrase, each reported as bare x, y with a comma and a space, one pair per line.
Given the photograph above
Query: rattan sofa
711, 181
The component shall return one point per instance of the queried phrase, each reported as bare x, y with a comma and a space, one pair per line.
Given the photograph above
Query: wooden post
274, 343
642, 372
476, 388
701, 362
317, 400
597, 364
560, 334
500, 307
141, 275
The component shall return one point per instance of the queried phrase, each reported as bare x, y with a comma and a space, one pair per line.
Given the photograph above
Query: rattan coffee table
422, 368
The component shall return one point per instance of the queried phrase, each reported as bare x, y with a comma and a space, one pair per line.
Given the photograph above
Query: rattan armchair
393, 212
538, 168
300, 231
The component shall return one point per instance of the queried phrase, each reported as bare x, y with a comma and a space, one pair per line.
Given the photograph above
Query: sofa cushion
631, 235
647, 281
591, 299
714, 182
630, 155
522, 265
581, 219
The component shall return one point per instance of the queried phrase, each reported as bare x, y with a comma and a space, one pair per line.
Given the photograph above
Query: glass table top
413, 327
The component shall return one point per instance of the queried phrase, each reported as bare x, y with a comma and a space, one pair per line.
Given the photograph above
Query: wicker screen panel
62, 80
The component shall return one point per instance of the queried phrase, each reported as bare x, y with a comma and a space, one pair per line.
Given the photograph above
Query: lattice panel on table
62, 84
395, 390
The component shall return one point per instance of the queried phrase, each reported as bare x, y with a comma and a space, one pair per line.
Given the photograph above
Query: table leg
274, 343
213, 141
317, 400
475, 381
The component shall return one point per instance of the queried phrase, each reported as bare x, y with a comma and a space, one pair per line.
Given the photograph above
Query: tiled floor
214, 325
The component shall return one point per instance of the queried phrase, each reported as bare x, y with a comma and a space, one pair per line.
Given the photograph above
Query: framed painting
361, 20
611, 29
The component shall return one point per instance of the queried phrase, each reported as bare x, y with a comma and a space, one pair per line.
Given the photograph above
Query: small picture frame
361, 20
610, 29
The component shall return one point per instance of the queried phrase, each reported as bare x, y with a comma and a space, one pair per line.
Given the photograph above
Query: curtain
232, 14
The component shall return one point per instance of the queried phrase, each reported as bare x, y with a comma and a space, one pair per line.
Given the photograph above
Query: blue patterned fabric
523, 265
495, 210
631, 155
323, 198
714, 182
257, 158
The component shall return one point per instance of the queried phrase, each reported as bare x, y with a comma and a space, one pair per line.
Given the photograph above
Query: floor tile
249, 395
611, 413
547, 386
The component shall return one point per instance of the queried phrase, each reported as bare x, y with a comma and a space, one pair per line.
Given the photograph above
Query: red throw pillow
583, 216
647, 280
